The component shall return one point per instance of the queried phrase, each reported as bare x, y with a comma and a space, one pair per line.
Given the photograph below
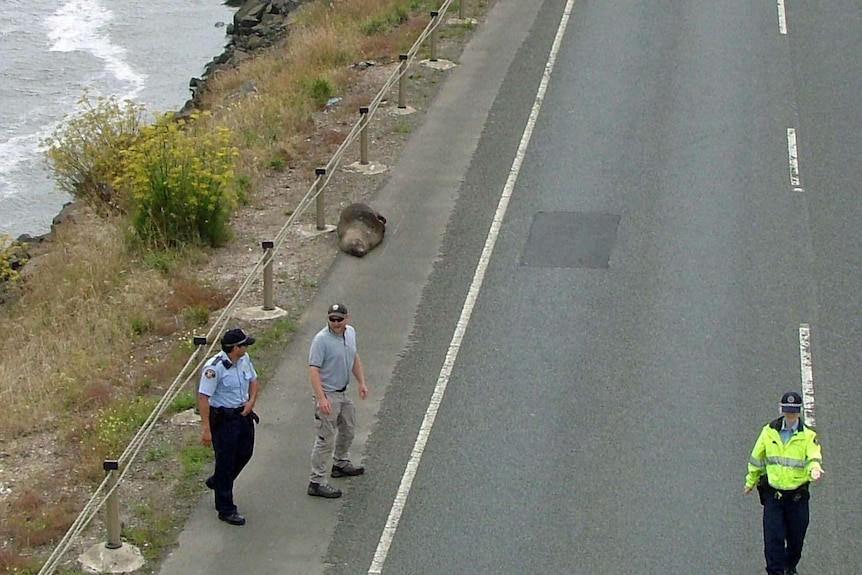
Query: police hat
236, 337
338, 309
791, 402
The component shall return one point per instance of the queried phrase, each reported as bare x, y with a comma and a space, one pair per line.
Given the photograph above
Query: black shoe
210, 482
347, 470
323, 490
234, 518
791, 571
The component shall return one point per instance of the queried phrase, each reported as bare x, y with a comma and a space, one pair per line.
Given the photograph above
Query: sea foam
80, 25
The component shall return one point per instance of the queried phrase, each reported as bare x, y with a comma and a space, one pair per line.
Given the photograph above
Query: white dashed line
782, 17
793, 154
400, 501
807, 373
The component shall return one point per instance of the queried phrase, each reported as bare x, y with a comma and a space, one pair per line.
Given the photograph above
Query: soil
153, 490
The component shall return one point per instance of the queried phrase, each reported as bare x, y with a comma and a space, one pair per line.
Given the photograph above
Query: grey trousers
335, 433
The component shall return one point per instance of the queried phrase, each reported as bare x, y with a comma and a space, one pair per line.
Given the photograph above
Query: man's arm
360, 376
756, 464
204, 409
252, 397
317, 387
814, 459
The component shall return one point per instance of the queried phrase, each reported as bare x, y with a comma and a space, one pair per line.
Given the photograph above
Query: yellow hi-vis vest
787, 465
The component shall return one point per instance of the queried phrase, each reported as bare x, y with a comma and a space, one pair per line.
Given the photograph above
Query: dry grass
324, 39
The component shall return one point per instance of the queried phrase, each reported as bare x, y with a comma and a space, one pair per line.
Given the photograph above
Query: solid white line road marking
807, 373
793, 155
400, 501
782, 18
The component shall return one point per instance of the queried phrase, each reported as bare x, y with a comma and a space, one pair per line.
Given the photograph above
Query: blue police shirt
786, 432
226, 386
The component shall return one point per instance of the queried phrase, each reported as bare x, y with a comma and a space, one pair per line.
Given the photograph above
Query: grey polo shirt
333, 355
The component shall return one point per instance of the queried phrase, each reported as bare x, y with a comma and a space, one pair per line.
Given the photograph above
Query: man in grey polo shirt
331, 360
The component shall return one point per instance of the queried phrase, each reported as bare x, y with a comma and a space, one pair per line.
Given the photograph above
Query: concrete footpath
288, 532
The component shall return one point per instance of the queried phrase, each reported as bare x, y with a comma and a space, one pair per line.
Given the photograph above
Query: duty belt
788, 494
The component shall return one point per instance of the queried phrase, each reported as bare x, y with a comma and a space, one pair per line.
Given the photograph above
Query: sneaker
323, 490
347, 470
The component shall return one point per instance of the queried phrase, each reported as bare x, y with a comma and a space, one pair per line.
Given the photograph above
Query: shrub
12, 257
180, 177
84, 152
320, 90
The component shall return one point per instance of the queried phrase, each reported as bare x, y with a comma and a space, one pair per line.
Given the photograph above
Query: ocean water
51, 51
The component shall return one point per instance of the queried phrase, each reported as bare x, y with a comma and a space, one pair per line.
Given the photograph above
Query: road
597, 420
679, 241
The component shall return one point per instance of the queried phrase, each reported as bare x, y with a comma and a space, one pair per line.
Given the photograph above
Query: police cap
791, 402
236, 337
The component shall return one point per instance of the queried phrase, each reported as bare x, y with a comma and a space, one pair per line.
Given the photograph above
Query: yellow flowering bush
12, 256
180, 179
84, 151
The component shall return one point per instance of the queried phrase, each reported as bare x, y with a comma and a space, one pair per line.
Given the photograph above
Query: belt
790, 494
342, 390
229, 410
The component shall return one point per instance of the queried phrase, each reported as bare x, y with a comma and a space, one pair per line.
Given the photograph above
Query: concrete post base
100, 559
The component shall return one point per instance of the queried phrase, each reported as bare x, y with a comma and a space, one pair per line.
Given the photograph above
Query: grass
82, 330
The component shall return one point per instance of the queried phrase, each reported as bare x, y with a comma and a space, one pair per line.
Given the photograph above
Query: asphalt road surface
592, 355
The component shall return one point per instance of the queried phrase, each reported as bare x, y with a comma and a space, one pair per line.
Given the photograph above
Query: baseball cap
236, 337
337, 308
791, 402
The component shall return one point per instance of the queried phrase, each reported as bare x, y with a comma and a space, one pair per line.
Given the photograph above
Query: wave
79, 25
18, 153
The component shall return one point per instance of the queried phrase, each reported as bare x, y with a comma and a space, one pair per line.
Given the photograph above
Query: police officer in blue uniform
226, 396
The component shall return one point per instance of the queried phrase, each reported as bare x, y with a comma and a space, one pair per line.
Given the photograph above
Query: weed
196, 315
242, 188
193, 458
116, 425
142, 325
320, 90
402, 127
183, 401
277, 164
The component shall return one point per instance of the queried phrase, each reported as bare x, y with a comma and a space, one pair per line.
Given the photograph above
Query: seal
360, 229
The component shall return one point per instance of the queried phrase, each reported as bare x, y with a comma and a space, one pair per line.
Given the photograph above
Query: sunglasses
336, 319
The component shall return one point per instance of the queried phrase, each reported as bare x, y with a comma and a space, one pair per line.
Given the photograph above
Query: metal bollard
267, 246
402, 81
363, 135
112, 508
434, 15
321, 211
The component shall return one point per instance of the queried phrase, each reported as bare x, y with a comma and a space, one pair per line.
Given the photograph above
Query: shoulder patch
209, 373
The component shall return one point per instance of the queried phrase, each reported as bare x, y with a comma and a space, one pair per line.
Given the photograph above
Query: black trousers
233, 444
785, 521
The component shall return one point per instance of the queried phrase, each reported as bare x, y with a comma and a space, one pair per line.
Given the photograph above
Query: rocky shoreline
257, 25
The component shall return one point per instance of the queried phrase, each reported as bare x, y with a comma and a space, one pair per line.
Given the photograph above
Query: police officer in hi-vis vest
785, 460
